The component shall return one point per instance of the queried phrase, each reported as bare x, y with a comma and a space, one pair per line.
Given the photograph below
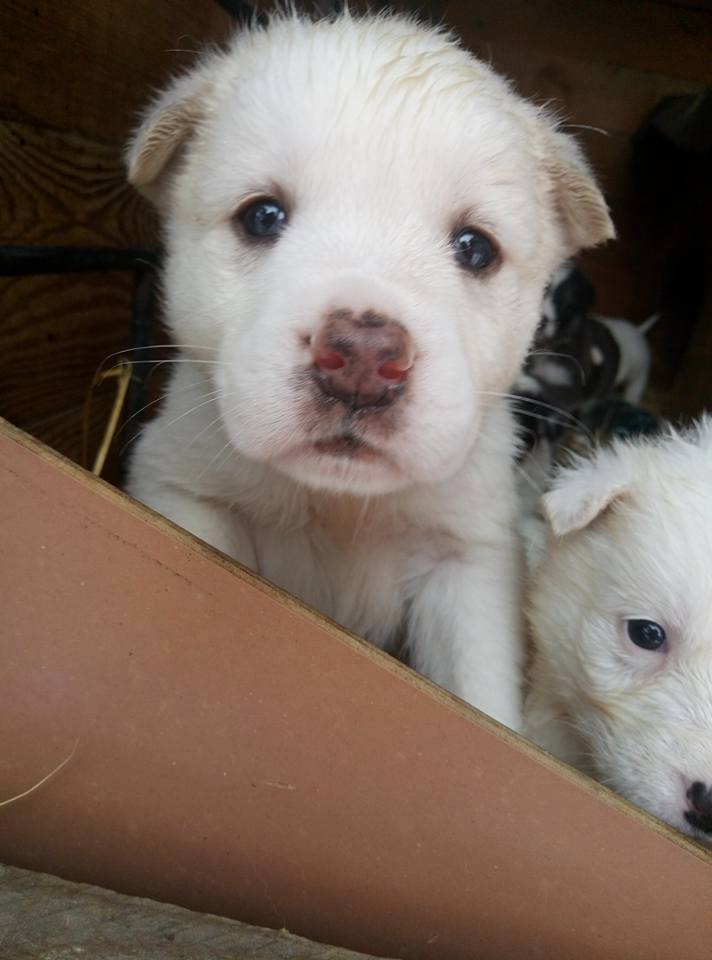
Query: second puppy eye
262, 219
474, 250
646, 634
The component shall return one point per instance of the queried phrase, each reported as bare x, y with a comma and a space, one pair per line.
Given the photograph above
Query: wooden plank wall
72, 76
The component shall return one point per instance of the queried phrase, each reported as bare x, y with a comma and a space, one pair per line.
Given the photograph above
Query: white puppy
621, 614
360, 221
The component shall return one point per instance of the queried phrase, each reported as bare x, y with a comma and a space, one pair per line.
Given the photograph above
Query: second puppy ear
582, 493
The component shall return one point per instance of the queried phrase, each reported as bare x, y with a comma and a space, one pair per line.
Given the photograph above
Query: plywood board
239, 754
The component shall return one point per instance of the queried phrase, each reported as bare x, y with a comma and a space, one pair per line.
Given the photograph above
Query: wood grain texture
87, 66
654, 37
55, 331
64, 188
611, 97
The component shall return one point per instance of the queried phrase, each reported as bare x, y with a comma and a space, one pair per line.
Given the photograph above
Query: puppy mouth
346, 445
343, 447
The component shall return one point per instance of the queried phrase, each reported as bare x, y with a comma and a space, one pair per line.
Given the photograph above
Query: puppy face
622, 609
360, 221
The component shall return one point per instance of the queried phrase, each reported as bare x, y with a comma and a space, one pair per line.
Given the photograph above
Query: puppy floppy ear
582, 493
578, 200
166, 126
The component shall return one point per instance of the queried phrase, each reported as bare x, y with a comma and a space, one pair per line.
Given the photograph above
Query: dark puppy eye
474, 250
646, 634
263, 219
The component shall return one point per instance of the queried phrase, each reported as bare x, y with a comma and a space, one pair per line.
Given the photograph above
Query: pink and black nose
700, 813
362, 360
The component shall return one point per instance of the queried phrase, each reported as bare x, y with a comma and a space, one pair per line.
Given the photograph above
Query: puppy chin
365, 474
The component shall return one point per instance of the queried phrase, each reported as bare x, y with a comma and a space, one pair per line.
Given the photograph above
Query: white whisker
561, 356
212, 423
585, 126
530, 480
211, 398
569, 417
226, 446
162, 362
151, 403
156, 346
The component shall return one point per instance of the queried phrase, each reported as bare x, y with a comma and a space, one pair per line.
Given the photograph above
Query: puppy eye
263, 219
474, 250
646, 634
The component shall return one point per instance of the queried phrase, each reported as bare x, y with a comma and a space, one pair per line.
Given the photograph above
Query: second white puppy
360, 221
621, 613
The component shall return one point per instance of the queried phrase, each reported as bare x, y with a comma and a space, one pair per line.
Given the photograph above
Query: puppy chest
359, 585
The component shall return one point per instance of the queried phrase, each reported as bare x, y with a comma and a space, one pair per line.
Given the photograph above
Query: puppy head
621, 610
360, 221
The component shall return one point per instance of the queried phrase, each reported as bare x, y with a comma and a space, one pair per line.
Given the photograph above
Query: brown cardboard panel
241, 755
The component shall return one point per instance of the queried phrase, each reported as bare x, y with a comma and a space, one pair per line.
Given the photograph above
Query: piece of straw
36, 786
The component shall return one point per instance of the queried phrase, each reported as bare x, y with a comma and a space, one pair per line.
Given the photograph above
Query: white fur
383, 136
631, 538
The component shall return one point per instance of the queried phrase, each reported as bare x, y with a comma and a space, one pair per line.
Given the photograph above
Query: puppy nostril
331, 360
392, 370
